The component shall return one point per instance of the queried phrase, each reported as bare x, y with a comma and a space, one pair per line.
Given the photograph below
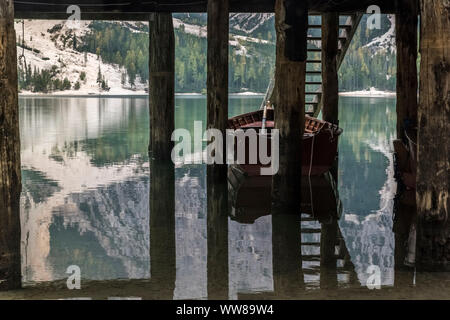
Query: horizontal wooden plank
138, 10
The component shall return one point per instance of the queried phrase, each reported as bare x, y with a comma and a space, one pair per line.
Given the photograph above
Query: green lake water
85, 197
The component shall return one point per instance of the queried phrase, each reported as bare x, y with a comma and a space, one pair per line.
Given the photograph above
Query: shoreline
121, 95
71, 94
373, 93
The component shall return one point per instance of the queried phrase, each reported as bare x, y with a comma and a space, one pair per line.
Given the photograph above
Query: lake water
85, 195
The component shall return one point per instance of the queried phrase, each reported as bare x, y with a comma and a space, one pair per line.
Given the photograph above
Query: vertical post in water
330, 94
161, 85
291, 22
217, 114
330, 97
162, 228
328, 258
406, 22
287, 256
10, 177
433, 156
162, 175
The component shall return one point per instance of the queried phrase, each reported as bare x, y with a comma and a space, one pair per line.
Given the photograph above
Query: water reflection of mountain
366, 183
86, 193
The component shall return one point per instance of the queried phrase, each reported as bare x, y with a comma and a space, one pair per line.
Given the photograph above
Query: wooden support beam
404, 231
330, 33
138, 10
10, 177
162, 228
286, 256
289, 93
433, 167
217, 117
161, 85
406, 39
328, 259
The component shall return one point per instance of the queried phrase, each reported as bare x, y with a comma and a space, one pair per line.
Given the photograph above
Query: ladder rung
311, 272
315, 244
320, 38
319, 50
314, 61
319, 26
313, 82
310, 230
311, 257
312, 92
314, 72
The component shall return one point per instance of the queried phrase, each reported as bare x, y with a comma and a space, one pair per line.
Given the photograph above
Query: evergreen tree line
115, 44
45, 80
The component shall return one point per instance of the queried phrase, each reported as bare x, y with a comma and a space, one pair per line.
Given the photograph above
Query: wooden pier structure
430, 114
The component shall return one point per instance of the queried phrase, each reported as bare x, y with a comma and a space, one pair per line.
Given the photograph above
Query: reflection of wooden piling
10, 177
328, 258
162, 228
406, 40
286, 255
289, 89
217, 188
405, 215
433, 167
161, 85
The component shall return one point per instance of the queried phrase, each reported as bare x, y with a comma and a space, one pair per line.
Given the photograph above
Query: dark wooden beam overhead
139, 10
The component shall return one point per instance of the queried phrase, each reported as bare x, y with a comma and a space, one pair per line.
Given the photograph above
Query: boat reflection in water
308, 250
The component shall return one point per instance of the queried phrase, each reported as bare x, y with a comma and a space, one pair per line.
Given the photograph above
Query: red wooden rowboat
319, 143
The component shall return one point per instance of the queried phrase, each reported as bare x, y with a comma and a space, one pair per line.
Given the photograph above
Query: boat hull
319, 145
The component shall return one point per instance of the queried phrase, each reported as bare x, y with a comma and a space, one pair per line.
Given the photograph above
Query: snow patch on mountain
249, 22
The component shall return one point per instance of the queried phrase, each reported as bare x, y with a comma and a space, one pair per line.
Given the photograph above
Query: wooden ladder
311, 258
348, 24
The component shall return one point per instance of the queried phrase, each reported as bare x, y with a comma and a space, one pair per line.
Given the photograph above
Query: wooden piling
162, 228
217, 116
330, 97
10, 177
290, 71
287, 256
433, 167
328, 259
406, 23
161, 85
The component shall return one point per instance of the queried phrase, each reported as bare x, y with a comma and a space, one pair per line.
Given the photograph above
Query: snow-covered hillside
47, 44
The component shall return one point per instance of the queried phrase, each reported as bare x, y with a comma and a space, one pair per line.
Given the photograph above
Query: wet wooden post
286, 256
162, 228
330, 33
404, 220
162, 175
433, 167
328, 259
10, 177
291, 21
406, 23
217, 115
161, 85
330, 84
